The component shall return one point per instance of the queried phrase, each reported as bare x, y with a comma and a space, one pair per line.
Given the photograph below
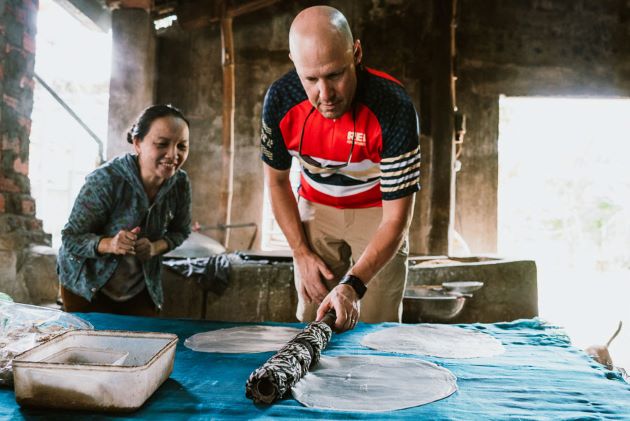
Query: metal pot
431, 304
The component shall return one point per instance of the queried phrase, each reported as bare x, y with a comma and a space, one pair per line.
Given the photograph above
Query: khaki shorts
339, 237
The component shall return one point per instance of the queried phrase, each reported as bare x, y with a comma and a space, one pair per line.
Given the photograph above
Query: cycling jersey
379, 134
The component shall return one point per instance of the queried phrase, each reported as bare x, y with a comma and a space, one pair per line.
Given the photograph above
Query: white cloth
367, 383
243, 339
434, 339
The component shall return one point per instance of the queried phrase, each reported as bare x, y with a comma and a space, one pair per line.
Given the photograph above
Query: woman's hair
143, 123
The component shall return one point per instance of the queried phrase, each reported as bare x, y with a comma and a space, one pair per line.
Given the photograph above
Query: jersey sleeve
273, 149
400, 157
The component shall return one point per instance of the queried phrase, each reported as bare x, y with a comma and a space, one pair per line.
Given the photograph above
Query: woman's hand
145, 249
122, 243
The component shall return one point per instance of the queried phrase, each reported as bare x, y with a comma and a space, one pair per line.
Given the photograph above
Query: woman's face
163, 150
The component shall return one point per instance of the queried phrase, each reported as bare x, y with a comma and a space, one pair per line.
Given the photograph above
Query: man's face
328, 75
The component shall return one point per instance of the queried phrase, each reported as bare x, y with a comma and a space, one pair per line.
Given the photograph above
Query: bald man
355, 133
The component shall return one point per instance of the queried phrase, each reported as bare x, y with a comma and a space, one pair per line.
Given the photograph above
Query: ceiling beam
92, 13
130, 4
195, 14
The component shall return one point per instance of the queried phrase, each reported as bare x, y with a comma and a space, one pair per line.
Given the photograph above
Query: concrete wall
518, 47
527, 48
132, 83
190, 76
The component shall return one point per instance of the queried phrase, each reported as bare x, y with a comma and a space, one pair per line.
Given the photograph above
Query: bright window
564, 200
75, 62
272, 236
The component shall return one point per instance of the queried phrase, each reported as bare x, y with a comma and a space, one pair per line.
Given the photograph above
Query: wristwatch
357, 284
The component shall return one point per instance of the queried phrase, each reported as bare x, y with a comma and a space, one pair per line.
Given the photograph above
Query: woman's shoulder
110, 171
181, 175
178, 187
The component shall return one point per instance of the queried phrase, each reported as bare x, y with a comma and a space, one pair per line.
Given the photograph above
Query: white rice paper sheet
368, 383
242, 339
437, 340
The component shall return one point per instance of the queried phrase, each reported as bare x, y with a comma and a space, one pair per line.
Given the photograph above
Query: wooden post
227, 173
442, 199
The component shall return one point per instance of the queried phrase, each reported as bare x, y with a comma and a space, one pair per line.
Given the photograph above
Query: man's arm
386, 241
310, 266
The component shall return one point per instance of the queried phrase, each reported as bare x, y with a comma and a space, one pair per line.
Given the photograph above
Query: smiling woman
129, 213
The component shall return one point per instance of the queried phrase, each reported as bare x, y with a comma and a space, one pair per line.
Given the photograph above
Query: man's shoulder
283, 94
287, 88
382, 90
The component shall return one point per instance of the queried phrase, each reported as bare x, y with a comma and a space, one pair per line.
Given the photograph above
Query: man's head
325, 58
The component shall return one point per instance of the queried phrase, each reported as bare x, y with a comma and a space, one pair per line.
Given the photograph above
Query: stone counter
510, 288
256, 292
265, 292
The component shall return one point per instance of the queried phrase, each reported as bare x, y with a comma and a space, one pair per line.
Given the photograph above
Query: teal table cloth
541, 376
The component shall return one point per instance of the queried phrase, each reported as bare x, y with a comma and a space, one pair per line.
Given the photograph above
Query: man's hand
311, 268
122, 243
343, 298
145, 249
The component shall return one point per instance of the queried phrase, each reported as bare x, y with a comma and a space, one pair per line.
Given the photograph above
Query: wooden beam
130, 4
195, 14
442, 198
91, 13
229, 89
249, 7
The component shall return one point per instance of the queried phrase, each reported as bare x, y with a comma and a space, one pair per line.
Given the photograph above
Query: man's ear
357, 52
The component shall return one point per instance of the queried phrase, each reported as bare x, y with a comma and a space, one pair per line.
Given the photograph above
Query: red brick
27, 82
20, 167
19, 15
10, 144
7, 185
25, 123
2, 207
10, 101
28, 206
31, 5
36, 225
28, 43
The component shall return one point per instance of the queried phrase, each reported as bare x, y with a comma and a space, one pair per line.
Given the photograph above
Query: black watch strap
357, 284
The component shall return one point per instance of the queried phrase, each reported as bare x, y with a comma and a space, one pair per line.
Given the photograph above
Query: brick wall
18, 20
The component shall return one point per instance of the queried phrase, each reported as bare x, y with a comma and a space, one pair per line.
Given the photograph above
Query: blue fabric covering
541, 376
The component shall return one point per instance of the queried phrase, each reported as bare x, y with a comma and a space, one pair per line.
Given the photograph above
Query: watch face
358, 285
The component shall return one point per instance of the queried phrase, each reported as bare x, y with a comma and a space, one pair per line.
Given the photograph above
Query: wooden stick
227, 153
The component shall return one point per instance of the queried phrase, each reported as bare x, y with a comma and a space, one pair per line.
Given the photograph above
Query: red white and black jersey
385, 161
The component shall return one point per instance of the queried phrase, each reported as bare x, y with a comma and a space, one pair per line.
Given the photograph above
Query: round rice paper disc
436, 340
242, 339
368, 383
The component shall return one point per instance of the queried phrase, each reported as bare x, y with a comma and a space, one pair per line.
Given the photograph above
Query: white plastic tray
94, 370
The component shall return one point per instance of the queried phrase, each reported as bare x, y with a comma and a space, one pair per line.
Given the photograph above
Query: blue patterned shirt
113, 199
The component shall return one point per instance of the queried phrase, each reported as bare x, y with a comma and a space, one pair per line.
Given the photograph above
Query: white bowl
463, 287
430, 304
